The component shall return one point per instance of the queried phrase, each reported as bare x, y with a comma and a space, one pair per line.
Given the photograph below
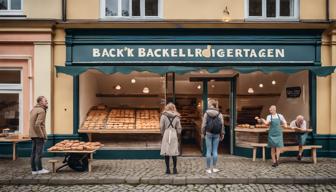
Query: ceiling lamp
250, 90
145, 90
133, 81
261, 85
118, 87
273, 82
199, 87
212, 86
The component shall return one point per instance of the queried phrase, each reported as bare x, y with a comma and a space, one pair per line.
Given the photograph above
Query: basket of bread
121, 119
95, 119
75, 145
244, 125
147, 119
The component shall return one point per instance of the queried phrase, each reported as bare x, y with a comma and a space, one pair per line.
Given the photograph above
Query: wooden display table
14, 142
88, 153
245, 137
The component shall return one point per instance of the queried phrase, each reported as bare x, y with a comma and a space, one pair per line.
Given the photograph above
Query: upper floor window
11, 7
272, 9
131, 8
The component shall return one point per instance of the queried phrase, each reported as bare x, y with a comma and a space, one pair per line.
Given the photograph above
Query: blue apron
275, 138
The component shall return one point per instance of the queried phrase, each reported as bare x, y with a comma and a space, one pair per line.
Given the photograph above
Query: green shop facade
181, 51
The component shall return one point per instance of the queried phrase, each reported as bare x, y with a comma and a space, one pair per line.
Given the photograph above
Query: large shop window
11, 7
10, 99
272, 9
132, 9
258, 91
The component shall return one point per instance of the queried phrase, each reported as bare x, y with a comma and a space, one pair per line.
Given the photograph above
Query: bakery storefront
122, 80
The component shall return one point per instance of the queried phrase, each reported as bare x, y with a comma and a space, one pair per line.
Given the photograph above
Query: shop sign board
83, 54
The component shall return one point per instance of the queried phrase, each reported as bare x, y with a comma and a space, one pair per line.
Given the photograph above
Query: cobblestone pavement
160, 188
234, 170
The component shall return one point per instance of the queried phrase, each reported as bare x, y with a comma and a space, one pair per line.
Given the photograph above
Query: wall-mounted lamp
226, 15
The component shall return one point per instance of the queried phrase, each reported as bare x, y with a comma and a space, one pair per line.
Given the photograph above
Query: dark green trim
75, 104
68, 42
312, 101
233, 112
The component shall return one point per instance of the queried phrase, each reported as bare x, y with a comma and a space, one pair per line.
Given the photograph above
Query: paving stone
234, 170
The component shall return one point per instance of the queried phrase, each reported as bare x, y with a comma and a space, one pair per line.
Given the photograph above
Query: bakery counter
247, 136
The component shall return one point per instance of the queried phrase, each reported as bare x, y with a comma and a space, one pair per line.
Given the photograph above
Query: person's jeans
36, 155
211, 142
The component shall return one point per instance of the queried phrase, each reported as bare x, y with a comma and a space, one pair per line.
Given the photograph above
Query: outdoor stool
53, 162
255, 147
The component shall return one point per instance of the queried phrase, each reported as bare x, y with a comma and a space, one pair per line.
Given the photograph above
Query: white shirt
303, 125
276, 116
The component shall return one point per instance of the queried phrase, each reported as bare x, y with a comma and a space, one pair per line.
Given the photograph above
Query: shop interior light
261, 85
145, 90
199, 87
133, 81
212, 86
273, 82
250, 90
118, 87
212, 80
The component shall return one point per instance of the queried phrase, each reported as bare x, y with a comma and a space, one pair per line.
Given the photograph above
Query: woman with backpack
275, 137
213, 131
170, 127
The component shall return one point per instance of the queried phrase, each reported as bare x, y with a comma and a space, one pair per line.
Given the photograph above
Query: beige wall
312, 9
46, 9
333, 87
200, 9
332, 9
42, 75
83, 9
62, 90
324, 91
172, 9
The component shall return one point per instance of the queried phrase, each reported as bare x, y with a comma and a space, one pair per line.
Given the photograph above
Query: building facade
140, 54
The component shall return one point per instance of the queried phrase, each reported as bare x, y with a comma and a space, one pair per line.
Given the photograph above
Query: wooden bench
53, 163
255, 147
313, 149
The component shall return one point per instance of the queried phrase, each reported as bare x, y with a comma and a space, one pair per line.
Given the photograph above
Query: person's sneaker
167, 171
175, 171
34, 172
43, 171
209, 171
274, 165
214, 170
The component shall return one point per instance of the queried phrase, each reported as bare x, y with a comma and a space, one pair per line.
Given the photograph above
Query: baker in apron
275, 137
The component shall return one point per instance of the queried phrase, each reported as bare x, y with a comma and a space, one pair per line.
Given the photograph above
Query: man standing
38, 134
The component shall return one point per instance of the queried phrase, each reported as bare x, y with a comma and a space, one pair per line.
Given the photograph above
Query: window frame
10, 12
142, 11
277, 17
14, 88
